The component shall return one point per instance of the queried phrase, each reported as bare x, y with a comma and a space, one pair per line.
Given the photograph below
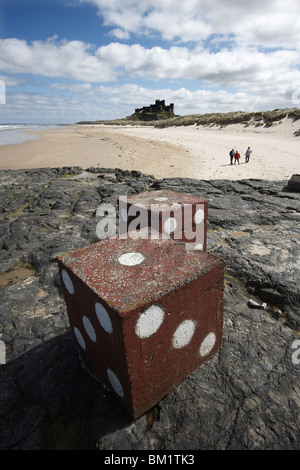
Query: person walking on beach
237, 157
232, 154
247, 154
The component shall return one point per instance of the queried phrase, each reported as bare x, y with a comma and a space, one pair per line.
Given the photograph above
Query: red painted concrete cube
145, 314
175, 215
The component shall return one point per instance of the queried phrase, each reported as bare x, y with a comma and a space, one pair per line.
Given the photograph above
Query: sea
17, 133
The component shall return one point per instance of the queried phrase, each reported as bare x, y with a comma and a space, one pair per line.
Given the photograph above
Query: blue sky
62, 61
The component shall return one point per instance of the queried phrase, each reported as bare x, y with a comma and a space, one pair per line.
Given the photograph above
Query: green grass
261, 118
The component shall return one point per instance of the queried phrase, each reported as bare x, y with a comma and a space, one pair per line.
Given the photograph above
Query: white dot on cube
149, 321
103, 318
161, 199
199, 216
115, 383
67, 282
207, 344
89, 328
131, 259
183, 334
170, 225
79, 338
194, 246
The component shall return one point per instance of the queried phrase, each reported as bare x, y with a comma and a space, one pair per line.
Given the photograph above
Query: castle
158, 107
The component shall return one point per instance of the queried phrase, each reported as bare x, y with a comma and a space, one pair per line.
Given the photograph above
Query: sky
64, 61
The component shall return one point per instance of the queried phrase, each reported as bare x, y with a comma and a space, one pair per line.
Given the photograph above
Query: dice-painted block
180, 216
144, 313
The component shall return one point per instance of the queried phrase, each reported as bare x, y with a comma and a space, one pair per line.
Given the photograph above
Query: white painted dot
149, 321
199, 216
170, 225
79, 338
103, 318
67, 282
131, 259
183, 334
207, 344
161, 199
115, 383
124, 215
89, 328
194, 246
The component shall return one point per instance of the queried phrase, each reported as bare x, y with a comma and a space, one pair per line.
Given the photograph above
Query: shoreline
86, 146
188, 152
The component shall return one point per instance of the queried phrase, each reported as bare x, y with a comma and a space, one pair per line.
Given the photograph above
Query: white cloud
240, 55
111, 102
239, 67
11, 81
52, 59
49, 108
272, 23
242, 67
119, 34
74, 88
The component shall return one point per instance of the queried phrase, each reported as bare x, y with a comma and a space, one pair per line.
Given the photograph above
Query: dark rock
245, 397
294, 183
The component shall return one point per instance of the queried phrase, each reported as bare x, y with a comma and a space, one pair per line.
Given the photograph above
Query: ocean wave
17, 133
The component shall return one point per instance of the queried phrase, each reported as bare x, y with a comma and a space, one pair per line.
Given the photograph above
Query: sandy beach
189, 152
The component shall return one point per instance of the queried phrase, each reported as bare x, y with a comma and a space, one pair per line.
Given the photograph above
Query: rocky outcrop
246, 397
294, 183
